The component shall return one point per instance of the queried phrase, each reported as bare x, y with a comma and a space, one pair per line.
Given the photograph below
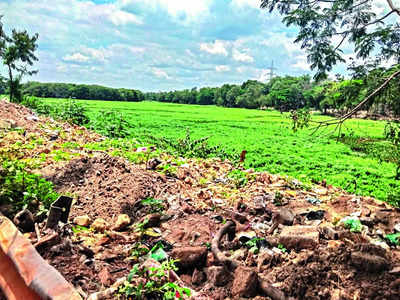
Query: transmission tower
271, 70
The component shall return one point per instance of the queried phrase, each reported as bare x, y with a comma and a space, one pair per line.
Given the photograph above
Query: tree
373, 35
17, 53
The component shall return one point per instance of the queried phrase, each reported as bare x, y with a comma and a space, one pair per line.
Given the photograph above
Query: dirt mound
107, 186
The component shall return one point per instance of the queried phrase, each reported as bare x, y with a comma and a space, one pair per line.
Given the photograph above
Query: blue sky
155, 45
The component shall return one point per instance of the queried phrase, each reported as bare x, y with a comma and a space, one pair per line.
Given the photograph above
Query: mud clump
107, 186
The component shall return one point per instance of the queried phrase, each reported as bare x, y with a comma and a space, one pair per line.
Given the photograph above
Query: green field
271, 144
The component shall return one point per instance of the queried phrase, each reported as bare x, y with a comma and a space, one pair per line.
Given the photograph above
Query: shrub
111, 123
24, 190
190, 147
72, 112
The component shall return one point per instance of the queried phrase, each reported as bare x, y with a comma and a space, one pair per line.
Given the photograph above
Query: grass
271, 144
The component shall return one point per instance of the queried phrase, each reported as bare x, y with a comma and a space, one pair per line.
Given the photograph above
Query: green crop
353, 163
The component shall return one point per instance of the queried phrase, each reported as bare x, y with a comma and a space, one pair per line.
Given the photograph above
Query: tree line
284, 93
80, 91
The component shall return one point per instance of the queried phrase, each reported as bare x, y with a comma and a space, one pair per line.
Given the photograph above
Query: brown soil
108, 186
198, 201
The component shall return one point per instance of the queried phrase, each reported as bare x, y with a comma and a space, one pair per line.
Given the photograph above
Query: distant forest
282, 93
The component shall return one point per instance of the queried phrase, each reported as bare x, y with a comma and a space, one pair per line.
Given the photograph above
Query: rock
218, 275
299, 237
367, 221
367, 262
198, 277
265, 259
239, 217
100, 225
190, 256
284, 216
397, 227
329, 233
315, 215
383, 216
244, 237
123, 221
82, 221
24, 221
153, 220
245, 283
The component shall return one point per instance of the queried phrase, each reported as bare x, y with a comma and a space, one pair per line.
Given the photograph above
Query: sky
155, 45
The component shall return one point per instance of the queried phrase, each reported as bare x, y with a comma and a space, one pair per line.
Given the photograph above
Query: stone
329, 233
299, 237
24, 221
245, 282
265, 258
315, 215
153, 220
123, 221
397, 227
198, 277
368, 262
218, 275
284, 216
82, 221
190, 256
100, 225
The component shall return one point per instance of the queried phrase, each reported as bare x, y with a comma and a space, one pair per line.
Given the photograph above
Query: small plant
141, 227
393, 197
78, 229
393, 239
238, 177
278, 199
72, 112
254, 244
138, 250
282, 248
111, 124
24, 190
153, 283
353, 224
156, 205
190, 147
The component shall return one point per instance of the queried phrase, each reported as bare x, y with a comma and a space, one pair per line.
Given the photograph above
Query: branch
229, 228
392, 7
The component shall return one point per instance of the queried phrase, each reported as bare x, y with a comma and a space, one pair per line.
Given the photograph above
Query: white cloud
119, 17
76, 57
160, 73
222, 68
264, 75
301, 63
216, 48
242, 3
191, 9
241, 56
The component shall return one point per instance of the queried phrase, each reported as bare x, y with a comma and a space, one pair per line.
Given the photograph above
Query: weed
353, 224
111, 123
238, 177
282, 248
153, 282
24, 190
393, 239
156, 205
278, 198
